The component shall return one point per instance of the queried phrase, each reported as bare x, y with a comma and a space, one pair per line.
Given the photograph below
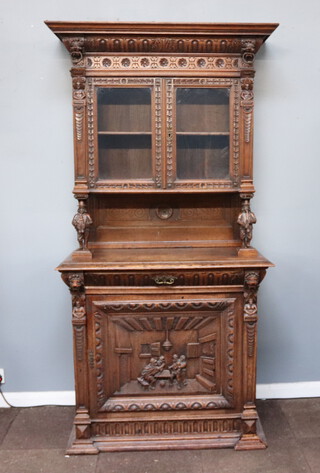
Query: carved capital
246, 220
75, 281
82, 222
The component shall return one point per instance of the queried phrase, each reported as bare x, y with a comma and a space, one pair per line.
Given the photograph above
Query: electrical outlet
2, 375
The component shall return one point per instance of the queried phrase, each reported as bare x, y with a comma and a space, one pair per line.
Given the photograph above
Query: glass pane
124, 133
203, 110
125, 157
202, 127
124, 109
202, 157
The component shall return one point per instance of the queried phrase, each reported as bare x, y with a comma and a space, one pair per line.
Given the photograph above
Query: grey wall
37, 179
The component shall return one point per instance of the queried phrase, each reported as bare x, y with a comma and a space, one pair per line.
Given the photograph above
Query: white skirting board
67, 398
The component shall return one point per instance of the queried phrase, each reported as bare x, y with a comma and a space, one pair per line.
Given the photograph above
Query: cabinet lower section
165, 368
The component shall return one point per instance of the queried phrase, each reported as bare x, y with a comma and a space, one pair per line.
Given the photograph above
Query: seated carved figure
147, 376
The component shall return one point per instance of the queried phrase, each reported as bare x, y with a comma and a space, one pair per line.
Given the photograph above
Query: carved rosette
79, 100
247, 106
251, 286
246, 220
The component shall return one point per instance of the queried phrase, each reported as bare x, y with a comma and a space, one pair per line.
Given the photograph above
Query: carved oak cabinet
164, 283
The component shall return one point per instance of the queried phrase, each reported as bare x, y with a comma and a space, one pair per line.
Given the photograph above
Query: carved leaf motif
79, 122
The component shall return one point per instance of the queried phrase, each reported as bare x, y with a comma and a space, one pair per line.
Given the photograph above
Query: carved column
248, 50
82, 222
246, 220
251, 436
79, 98
82, 422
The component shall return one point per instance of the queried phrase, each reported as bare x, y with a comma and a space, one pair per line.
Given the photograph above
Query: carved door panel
162, 355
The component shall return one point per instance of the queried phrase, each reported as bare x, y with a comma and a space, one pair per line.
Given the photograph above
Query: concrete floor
32, 440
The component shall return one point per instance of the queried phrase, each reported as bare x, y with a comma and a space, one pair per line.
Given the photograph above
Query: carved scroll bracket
246, 219
82, 222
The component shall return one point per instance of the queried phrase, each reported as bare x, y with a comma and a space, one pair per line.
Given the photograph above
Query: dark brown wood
164, 284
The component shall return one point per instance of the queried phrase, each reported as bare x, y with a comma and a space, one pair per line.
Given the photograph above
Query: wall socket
2, 375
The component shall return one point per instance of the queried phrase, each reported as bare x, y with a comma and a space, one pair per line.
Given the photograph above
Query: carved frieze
155, 44
166, 306
205, 278
184, 402
165, 63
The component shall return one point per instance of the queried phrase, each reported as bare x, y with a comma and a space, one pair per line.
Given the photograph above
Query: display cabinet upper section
162, 107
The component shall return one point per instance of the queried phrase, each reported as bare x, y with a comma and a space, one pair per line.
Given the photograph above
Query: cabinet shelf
201, 133
111, 133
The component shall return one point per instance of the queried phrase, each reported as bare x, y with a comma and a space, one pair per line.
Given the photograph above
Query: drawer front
165, 278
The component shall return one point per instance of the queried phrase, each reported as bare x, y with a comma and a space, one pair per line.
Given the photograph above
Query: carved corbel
247, 105
79, 100
246, 220
75, 46
82, 222
248, 50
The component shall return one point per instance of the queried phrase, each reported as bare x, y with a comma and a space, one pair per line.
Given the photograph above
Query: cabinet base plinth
235, 440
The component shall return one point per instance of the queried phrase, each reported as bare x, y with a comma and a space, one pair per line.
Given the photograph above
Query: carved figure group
147, 377
155, 371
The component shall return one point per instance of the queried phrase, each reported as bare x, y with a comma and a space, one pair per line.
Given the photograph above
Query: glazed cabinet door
128, 133
200, 133
164, 354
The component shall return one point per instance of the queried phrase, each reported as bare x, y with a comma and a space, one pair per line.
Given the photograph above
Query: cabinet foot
80, 446
255, 441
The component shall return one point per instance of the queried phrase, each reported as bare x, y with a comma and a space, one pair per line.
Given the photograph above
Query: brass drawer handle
165, 280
